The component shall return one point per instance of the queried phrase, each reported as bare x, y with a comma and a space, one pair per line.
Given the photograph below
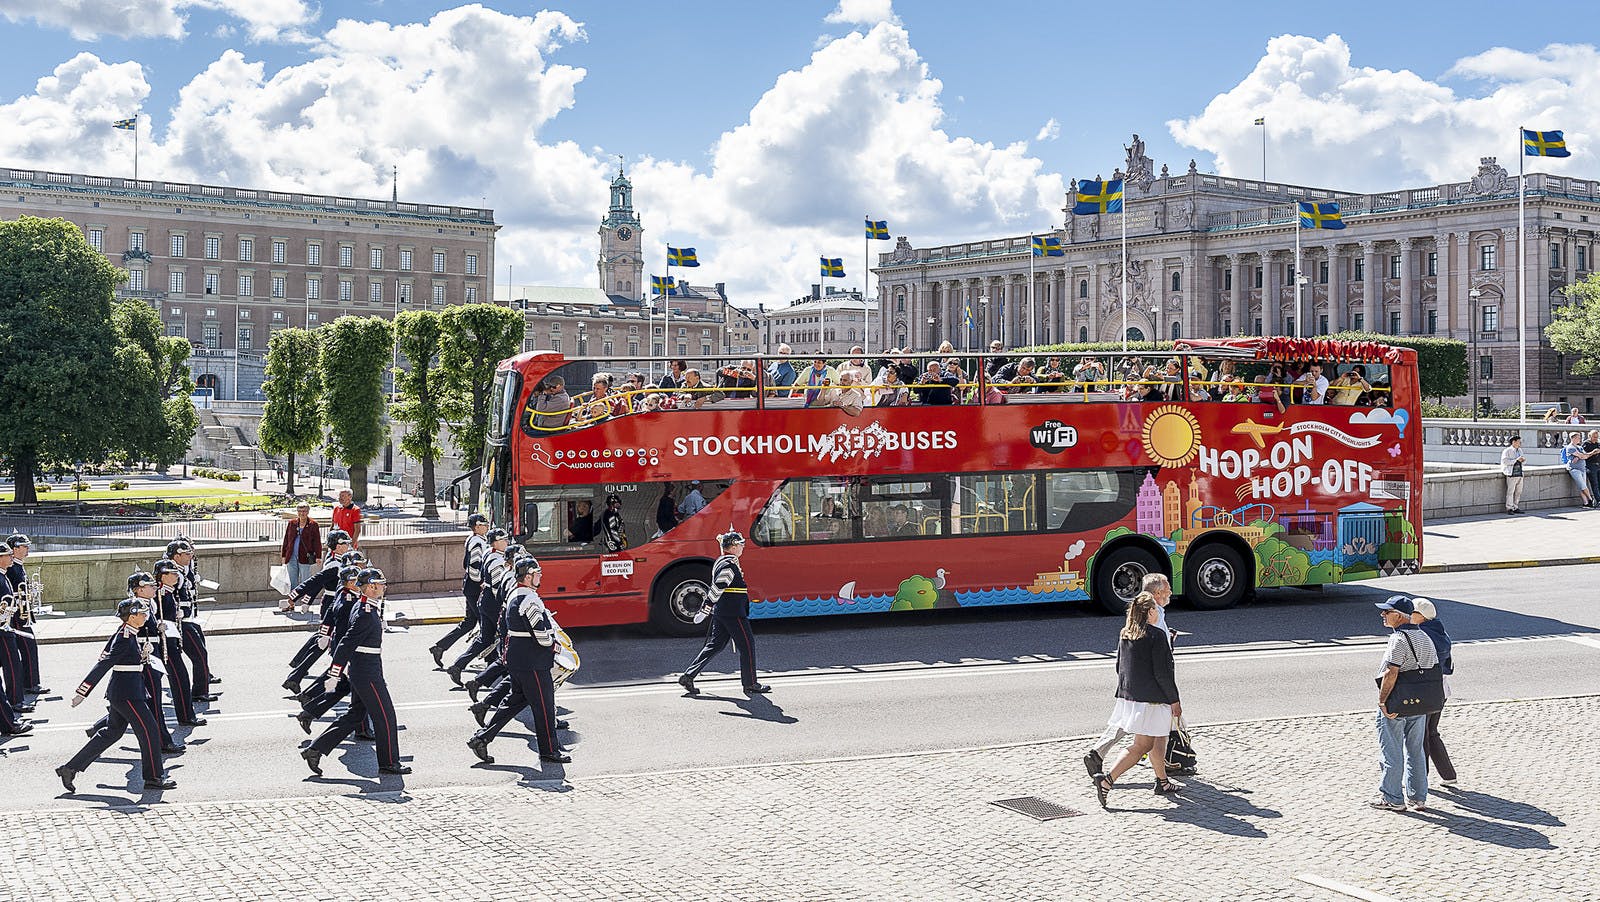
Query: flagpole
666, 326
866, 275
1297, 326
1263, 148
136, 147
1124, 269
1032, 325
1522, 280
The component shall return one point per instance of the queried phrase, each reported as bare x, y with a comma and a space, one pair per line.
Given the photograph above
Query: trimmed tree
356, 351
1575, 328
162, 379
421, 395
57, 348
292, 420
476, 338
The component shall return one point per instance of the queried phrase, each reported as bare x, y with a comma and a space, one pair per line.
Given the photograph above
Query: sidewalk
1278, 811
232, 620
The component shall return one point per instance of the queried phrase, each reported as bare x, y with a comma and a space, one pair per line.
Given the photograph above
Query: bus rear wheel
678, 597
1119, 576
1214, 577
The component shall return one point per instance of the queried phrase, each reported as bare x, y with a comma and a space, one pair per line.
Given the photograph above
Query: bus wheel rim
1215, 577
1128, 580
678, 601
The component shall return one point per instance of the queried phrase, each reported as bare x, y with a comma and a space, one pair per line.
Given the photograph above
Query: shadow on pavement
759, 707
1498, 808
1203, 805
1512, 836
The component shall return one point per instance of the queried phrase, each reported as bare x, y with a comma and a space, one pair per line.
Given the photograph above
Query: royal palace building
1210, 256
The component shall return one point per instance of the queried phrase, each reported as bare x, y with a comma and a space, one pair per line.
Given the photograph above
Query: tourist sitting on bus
847, 395
1015, 377
1051, 377
1235, 390
888, 390
692, 391
552, 406
633, 393
781, 373
1272, 387
1346, 390
1152, 385
856, 364
936, 386
737, 380
900, 522
996, 360
1172, 374
818, 377
581, 529
603, 402
1088, 373
673, 377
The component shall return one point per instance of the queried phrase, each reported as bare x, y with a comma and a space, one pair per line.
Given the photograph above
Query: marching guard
471, 586
493, 676
316, 700
730, 618
181, 552
359, 657
170, 614
152, 633
11, 662
321, 585
530, 654
27, 645
493, 569
125, 658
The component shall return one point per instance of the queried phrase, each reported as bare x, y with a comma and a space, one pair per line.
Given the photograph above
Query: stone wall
1478, 492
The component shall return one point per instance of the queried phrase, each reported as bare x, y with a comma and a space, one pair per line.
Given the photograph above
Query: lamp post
583, 339
932, 323
1472, 335
1300, 282
1155, 321
983, 317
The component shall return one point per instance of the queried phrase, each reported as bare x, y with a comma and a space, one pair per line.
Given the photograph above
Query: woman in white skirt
1147, 696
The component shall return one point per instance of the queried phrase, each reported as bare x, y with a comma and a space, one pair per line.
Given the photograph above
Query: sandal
1102, 788
1165, 787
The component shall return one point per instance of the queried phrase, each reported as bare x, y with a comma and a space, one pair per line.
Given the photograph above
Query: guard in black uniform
181, 552
168, 575
153, 635
530, 653
730, 617
359, 657
491, 602
492, 675
471, 586
11, 664
320, 587
27, 645
316, 700
125, 657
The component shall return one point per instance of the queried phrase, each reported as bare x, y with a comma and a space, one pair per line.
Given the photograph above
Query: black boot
313, 760
66, 774
480, 711
398, 770
304, 718
480, 747
687, 682
161, 782
438, 656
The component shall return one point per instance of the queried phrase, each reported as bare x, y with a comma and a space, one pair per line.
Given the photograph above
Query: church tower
621, 256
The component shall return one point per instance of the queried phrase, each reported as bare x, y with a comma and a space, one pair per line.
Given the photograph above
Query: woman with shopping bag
1147, 697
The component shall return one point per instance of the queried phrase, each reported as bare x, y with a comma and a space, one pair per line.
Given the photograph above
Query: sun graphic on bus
1171, 435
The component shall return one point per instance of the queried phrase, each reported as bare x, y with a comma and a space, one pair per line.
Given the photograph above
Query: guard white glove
330, 685
77, 700
323, 642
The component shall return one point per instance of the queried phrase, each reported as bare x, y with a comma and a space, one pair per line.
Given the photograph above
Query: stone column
1094, 302
1461, 324
1238, 303
1063, 306
1192, 327
1446, 298
1408, 300
1338, 310
1371, 287
1272, 271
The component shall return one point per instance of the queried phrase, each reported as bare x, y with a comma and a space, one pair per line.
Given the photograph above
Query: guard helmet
369, 576
526, 566
352, 557
349, 572
6, 550
730, 538
165, 565
18, 540
614, 497
513, 551
179, 546
477, 520
128, 607
140, 578
338, 537
495, 535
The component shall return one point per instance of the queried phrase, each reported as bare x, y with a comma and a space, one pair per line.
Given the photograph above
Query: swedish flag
1099, 197
966, 314
663, 285
878, 229
1544, 144
1320, 215
130, 123
682, 256
832, 267
1047, 246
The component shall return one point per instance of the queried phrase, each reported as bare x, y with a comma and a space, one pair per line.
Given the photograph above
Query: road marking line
1355, 892
1590, 641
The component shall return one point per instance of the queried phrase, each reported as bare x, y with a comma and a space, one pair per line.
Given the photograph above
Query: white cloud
1050, 131
87, 20
862, 12
1337, 125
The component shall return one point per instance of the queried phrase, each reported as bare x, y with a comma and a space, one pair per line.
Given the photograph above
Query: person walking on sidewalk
302, 542
1511, 464
1159, 588
1426, 618
1147, 696
471, 586
730, 618
359, 657
1591, 448
124, 658
1402, 739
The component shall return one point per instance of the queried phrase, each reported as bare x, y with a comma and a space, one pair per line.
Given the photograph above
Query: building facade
227, 267
1210, 256
829, 322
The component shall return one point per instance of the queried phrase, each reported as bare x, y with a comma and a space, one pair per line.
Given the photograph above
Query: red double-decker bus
1065, 482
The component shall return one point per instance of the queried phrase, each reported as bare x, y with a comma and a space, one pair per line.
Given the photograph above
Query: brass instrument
33, 591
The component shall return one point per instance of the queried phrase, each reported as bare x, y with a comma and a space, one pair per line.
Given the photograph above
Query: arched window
1083, 288
1177, 330
1083, 334
1135, 333
850, 335
1177, 281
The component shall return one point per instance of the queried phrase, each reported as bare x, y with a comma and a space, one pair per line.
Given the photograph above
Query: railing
243, 529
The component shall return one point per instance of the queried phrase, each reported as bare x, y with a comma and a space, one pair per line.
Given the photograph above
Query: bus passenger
1348, 388
900, 522
552, 405
856, 364
581, 529
1015, 377
1272, 387
888, 390
612, 529
817, 378
782, 373
737, 380
1234, 386
848, 396
693, 392
1051, 376
634, 393
673, 377
602, 403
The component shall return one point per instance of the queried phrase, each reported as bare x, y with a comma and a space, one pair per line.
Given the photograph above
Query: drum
566, 658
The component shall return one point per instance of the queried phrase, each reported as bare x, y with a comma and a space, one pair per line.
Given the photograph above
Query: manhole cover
1038, 808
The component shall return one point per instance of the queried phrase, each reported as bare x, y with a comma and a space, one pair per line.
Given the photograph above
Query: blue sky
761, 130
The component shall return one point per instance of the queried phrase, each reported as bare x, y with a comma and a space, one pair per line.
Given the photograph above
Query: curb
287, 627
1475, 566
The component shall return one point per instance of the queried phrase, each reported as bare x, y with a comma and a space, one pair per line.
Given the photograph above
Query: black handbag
1416, 691
1180, 751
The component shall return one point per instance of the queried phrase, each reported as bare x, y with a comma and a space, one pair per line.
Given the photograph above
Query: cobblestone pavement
1274, 801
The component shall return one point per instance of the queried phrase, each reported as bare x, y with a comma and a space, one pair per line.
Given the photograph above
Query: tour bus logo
1053, 436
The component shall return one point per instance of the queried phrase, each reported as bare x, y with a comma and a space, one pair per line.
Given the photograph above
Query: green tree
421, 395
57, 348
356, 351
164, 381
1575, 328
292, 421
476, 338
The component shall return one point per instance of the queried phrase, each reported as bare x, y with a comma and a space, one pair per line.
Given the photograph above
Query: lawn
144, 493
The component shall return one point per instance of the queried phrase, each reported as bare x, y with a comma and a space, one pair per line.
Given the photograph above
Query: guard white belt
519, 633
369, 649
128, 668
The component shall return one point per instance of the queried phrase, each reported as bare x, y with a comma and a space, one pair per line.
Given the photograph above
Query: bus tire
1215, 577
1119, 576
677, 597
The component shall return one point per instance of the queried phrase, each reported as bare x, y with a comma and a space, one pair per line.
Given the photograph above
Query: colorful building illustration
1171, 512
1147, 509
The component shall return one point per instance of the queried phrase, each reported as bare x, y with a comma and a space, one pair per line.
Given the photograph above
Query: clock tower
621, 257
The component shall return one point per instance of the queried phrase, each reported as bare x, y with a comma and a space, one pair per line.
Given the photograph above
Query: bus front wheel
1119, 576
1214, 577
678, 597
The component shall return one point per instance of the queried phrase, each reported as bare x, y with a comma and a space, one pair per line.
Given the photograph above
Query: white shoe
1418, 806
1383, 804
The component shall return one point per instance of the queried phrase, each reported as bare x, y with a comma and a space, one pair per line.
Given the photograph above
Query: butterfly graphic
1394, 451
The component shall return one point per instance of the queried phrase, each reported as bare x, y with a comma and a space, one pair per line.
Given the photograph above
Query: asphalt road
843, 686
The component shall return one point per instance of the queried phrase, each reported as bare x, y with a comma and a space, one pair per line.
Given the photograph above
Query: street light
583, 339
1472, 334
932, 322
983, 316
1300, 282
1155, 321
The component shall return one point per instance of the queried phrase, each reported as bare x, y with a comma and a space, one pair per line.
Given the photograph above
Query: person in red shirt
347, 516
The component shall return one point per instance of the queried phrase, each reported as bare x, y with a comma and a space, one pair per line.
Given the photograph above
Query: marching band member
126, 655
152, 635
730, 618
315, 701
11, 663
530, 653
359, 656
170, 613
471, 586
11, 721
181, 552
491, 602
27, 645
320, 586
494, 674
